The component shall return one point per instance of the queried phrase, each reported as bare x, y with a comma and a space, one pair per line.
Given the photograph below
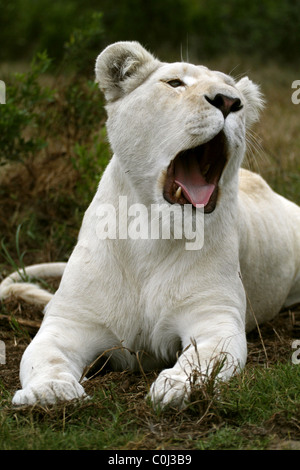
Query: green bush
70, 110
52, 125
207, 27
29, 26
24, 115
265, 29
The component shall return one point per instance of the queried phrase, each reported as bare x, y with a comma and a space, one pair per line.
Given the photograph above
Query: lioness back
268, 242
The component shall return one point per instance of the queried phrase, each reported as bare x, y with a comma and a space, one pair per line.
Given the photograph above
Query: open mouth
193, 176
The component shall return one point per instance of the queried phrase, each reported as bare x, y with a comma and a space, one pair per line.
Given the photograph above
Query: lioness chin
177, 132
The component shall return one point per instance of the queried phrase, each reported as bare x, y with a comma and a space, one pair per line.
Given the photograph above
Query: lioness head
177, 129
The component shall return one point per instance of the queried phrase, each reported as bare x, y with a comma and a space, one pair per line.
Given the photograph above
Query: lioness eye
175, 83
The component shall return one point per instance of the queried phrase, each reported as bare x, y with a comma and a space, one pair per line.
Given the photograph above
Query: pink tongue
188, 176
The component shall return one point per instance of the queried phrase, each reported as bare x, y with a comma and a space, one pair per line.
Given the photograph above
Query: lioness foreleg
209, 355
53, 363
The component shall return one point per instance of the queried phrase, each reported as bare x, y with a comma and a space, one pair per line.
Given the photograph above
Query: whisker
255, 152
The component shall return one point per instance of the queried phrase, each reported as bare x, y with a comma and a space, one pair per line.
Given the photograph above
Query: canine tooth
178, 192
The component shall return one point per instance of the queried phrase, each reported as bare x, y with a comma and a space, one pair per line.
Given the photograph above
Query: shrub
24, 114
52, 125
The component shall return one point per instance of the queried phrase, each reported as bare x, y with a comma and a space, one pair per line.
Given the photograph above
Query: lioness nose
226, 104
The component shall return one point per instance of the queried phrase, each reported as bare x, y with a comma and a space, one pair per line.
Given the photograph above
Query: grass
83, 426
250, 412
257, 410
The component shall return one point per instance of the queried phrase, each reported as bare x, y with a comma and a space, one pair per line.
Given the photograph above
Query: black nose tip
226, 104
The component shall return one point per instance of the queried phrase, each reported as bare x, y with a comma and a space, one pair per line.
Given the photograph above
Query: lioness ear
123, 66
254, 101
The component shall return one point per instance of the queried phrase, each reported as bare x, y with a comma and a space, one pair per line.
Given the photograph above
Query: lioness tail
31, 293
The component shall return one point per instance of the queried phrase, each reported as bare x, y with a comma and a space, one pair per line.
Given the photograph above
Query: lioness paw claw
49, 393
170, 390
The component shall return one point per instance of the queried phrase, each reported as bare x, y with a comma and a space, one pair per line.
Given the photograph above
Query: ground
193, 428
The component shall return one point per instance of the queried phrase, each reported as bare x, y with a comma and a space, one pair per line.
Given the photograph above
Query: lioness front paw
49, 393
170, 389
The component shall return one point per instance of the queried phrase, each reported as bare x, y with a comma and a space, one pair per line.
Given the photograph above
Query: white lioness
178, 136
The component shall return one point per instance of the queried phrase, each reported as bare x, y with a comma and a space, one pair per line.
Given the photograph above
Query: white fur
147, 299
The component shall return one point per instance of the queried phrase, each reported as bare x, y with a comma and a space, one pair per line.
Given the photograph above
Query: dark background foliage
265, 28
